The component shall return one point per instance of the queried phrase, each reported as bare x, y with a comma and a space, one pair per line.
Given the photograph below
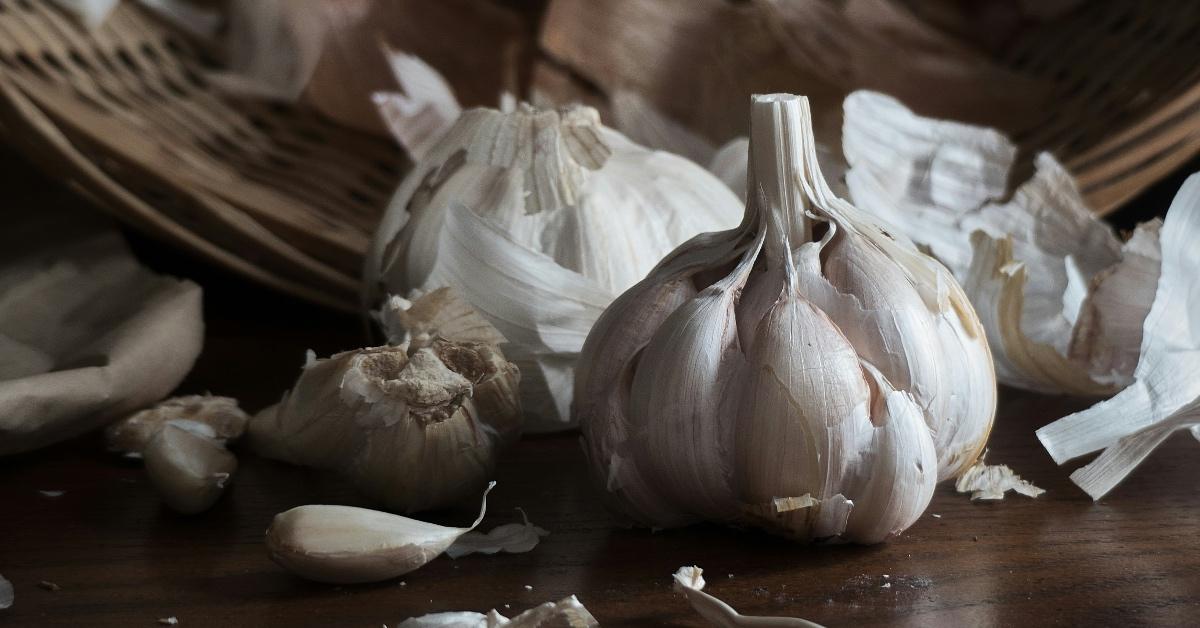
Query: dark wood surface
122, 559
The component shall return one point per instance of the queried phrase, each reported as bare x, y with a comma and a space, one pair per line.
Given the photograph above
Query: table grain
119, 558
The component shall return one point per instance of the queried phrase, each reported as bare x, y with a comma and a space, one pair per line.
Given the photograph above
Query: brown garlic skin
414, 428
797, 374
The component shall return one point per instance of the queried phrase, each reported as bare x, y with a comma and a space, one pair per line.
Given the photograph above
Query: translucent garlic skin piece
807, 373
415, 427
540, 218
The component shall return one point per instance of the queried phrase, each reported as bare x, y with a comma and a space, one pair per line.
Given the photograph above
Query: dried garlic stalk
565, 613
343, 544
1165, 394
86, 333
415, 426
690, 582
540, 218
183, 443
1061, 297
807, 340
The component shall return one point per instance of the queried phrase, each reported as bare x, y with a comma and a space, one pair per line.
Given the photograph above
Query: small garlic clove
902, 463
190, 471
344, 544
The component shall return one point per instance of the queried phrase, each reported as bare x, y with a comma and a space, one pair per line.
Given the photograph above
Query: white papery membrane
1165, 394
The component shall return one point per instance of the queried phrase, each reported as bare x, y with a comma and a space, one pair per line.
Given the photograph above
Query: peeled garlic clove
343, 544
189, 471
416, 426
539, 218
218, 418
799, 373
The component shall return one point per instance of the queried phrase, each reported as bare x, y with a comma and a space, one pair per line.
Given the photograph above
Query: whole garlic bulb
540, 218
415, 426
807, 372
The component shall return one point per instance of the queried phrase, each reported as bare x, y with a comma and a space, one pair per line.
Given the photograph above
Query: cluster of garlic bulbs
807, 372
417, 425
540, 218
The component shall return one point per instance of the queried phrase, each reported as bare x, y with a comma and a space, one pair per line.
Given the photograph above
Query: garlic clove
902, 462
344, 544
190, 471
693, 367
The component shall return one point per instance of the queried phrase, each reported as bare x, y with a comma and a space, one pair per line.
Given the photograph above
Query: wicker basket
125, 115
288, 198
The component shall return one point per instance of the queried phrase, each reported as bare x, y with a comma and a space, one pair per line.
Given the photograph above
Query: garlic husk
420, 113
415, 426
510, 538
218, 418
91, 13
1061, 297
1165, 394
344, 544
540, 218
190, 471
808, 339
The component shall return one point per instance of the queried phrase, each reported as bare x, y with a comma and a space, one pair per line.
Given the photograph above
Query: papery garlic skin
1062, 299
540, 218
416, 426
807, 372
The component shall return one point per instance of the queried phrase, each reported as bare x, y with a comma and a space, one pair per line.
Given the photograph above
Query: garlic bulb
807, 372
415, 426
1061, 297
540, 218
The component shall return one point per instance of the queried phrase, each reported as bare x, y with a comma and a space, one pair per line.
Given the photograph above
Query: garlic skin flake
344, 544
690, 582
991, 482
565, 613
1061, 297
510, 538
807, 340
539, 218
1165, 394
415, 426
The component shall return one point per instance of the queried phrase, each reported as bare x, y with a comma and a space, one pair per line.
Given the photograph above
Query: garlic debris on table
565, 613
539, 218
182, 441
1061, 297
807, 372
690, 582
1165, 394
414, 426
344, 544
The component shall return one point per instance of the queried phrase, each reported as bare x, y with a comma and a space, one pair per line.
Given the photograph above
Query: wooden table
122, 559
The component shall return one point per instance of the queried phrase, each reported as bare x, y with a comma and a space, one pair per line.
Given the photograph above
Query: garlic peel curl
808, 339
690, 582
1064, 299
1165, 394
